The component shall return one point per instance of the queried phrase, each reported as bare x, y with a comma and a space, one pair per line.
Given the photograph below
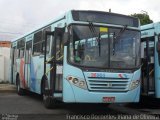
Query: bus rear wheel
20, 91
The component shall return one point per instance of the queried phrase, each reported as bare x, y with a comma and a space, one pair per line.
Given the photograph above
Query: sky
20, 16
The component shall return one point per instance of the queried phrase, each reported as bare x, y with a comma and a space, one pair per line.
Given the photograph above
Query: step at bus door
56, 61
28, 53
148, 79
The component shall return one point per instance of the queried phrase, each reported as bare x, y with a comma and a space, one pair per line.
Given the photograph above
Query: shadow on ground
146, 103
79, 108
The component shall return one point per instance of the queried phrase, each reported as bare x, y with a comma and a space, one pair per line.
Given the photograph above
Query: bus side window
37, 43
48, 40
59, 47
20, 47
28, 52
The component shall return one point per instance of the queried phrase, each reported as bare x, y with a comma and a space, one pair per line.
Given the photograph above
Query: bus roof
80, 12
150, 26
150, 30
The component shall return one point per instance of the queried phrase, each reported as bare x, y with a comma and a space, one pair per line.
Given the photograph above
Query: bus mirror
158, 46
66, 38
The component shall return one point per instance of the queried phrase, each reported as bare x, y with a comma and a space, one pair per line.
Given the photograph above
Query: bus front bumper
84, 96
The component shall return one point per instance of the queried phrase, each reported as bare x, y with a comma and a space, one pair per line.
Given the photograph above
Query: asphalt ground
30, 106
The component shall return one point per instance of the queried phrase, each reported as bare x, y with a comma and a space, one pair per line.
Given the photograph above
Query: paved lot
31, 107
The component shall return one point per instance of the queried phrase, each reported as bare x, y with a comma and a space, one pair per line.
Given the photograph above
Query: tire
20, 91
48, 101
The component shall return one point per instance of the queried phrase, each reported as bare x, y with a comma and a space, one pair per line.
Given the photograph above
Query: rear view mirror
158, 46
64, 35
66, 38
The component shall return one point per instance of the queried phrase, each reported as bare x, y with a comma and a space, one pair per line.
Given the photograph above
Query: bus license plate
108, 99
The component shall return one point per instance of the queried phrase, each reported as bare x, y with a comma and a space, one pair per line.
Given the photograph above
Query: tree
144, 18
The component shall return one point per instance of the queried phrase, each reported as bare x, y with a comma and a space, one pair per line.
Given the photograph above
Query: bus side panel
36, 73
68, 93
157, 71
27, 75
20, 71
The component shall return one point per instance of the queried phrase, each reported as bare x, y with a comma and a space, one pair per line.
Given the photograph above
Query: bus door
148, 75
28, 53
56, 61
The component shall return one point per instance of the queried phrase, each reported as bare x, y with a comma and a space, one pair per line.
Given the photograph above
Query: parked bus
150, 38
82, 57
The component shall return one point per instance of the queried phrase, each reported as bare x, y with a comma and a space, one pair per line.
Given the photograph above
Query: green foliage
144, 18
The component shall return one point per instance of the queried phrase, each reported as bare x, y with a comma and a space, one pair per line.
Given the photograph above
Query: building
5, 44
5, 47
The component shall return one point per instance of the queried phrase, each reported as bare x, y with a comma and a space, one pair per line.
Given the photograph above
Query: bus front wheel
48, 100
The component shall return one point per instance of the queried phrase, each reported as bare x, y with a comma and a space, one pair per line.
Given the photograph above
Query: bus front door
148, 64
55, 61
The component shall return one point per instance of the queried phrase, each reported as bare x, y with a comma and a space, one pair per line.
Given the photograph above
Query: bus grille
108, 84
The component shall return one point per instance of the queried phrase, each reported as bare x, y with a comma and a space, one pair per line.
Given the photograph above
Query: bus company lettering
101, 75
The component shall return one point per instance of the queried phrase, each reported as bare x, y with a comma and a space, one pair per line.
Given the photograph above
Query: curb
7, 88
7, 91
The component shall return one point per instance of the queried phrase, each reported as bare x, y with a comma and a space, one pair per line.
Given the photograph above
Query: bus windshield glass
104, 47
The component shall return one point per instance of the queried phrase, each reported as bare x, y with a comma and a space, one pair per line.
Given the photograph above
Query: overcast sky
20, 16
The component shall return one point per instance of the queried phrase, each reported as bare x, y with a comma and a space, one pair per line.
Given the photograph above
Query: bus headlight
77, 82
134, 84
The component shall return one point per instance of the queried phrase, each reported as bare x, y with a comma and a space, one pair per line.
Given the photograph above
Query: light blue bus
150, 38
81, 57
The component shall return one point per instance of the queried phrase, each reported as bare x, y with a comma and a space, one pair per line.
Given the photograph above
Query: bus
84, 56
150, 42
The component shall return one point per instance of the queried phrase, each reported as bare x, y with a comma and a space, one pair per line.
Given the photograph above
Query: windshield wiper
93, 31
116, 38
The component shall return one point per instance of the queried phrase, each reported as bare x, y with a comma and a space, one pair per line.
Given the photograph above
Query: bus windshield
104, 47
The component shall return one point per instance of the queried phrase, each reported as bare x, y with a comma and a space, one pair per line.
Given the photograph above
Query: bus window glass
37, 43
20, 47
125, 50
28, 52
90, 47
48, 40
